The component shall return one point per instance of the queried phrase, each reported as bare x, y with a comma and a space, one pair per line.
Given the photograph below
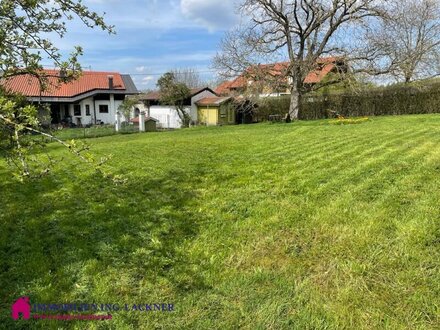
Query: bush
392, 100
271, 106
421, 98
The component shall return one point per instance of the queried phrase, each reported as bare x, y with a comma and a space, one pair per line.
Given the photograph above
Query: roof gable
196, 91
155, 95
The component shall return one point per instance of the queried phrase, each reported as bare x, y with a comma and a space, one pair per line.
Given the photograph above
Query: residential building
93, 98
271, 79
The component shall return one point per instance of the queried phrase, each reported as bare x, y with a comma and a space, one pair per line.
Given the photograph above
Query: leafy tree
19, 123
127, 106
24, 29
24, 43
176, 94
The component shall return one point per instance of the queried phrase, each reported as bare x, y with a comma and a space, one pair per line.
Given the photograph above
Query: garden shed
213, 111
150, 123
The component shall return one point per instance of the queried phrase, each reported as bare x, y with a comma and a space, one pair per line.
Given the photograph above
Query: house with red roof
271, 79
93, 98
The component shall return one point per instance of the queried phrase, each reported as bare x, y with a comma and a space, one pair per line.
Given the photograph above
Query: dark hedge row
271, 107
393, 100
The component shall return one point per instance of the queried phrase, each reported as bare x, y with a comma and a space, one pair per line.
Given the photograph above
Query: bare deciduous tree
301, 30
188, 76
409, 37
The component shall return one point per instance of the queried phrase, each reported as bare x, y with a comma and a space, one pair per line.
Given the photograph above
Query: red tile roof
239, 82
327, 65
223, 87
317, 76
29, 86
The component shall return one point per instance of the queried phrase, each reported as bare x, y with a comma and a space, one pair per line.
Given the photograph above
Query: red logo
23, 307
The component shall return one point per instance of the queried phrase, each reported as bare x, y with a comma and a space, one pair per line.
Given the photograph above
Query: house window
77, 110
87, 110
103, 108
223, 111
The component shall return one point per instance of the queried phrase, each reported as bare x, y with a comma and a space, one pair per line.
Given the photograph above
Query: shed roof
212, 101
136, 119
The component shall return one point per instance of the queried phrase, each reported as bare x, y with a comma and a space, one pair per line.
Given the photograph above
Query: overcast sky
153, 36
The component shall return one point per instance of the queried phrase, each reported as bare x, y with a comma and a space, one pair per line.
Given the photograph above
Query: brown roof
326, 65
29, 86
136, 119
152, 96
212, 101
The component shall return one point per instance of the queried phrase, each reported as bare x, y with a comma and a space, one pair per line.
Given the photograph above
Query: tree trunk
295, 102
184, 117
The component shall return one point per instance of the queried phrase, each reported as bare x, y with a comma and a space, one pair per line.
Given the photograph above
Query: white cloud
153, 36
213, 14
148, 81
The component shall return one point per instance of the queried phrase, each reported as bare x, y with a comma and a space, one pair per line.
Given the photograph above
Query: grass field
270, 226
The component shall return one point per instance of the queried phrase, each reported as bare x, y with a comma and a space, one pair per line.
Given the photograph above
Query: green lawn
270, 226
92, 132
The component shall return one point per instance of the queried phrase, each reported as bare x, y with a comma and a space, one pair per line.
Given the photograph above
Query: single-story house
166, 114
216, 111
93, 98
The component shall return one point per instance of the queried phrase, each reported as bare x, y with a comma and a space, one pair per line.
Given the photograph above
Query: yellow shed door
210, 116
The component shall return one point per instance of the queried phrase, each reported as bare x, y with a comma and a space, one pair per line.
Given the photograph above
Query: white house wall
166, 115
141, 108
106, 118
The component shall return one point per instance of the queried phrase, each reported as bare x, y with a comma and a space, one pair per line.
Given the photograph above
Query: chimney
110, 82
63, 73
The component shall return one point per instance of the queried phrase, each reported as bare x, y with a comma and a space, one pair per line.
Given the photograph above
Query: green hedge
272, 106
392, 100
